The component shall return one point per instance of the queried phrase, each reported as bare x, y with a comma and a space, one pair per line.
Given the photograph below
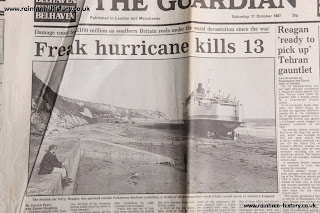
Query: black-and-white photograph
153, 127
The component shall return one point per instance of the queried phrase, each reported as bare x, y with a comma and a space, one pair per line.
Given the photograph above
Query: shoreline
242, 165
214, 166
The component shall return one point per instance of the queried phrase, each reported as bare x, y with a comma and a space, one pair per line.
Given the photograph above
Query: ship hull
205, 126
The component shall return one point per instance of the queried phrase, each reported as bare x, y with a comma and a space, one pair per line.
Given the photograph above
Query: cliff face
66, 113
69, 113
43, 100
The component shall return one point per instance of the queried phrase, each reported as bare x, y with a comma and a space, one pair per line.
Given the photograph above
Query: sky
163, 84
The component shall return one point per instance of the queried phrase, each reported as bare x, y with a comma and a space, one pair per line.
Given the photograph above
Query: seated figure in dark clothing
51, 164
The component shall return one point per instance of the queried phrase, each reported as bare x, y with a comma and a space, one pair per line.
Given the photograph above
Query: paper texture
168, 106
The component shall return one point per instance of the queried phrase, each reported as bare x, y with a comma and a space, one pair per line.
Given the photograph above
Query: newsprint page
168, 106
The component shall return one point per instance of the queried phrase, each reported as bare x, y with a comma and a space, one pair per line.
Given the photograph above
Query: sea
263, 128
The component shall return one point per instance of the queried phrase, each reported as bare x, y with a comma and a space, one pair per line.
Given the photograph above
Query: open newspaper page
173, 106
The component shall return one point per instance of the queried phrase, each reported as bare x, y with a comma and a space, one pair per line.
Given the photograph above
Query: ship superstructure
211, 114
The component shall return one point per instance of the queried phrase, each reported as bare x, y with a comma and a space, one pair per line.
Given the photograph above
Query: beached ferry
211, 114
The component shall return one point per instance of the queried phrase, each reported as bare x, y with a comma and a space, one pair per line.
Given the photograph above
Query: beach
214, 165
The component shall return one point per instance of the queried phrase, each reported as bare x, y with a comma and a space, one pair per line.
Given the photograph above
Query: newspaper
125, 106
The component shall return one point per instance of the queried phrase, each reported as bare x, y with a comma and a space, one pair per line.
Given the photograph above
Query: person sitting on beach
51, 164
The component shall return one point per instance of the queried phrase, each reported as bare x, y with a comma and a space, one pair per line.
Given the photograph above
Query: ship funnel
200, 89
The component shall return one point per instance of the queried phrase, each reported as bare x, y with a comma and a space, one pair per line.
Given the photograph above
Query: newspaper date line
168, 5
214, 46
